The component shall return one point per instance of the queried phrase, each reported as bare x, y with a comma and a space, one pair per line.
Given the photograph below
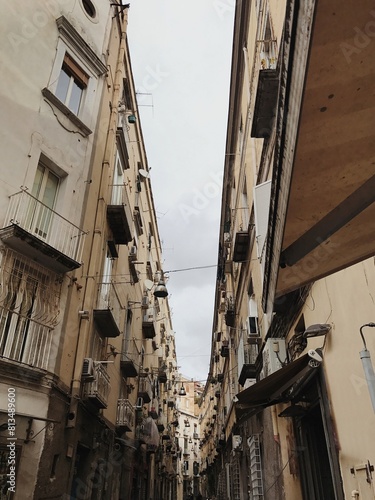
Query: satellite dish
148, 284
143, 173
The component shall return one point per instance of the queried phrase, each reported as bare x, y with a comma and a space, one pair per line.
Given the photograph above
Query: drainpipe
85, 324
275, 424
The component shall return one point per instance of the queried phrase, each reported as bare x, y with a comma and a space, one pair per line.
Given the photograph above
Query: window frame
76, 77
83, 63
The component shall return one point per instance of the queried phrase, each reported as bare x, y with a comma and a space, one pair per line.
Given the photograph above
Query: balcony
161, 422
125, 417
97, 390
251, 364
41, 234
119, 215
148, 324
129, 358
162, 374
265, 103
224, 351
109, 311
145, 389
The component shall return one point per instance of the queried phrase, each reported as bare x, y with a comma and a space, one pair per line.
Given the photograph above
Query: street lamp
367, 365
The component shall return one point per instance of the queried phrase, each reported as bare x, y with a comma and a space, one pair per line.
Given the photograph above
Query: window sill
66, 111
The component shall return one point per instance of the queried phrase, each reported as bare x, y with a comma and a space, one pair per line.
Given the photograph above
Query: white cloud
181, 56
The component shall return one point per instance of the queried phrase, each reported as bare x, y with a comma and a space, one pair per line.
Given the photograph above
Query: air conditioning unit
145, 302
274, 356
88, 369
133, 253
236, 441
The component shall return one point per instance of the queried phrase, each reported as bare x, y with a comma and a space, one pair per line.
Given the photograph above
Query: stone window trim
50, 96
72, 37
72, 45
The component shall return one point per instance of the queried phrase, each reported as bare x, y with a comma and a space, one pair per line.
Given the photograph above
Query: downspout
275, 425
85, 325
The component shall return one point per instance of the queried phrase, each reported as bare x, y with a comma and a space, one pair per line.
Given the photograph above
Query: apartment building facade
188, 437
292, 414
86, 340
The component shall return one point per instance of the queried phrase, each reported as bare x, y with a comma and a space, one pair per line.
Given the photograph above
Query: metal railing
145, 386
267, 54
119, 195
99, 387
108, 298
250, 353
36, 218
125, 413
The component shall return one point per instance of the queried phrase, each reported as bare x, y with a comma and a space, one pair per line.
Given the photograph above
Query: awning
279, 387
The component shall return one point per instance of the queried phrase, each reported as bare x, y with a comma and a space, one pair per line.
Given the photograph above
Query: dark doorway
80, 488
314, 461
320, 477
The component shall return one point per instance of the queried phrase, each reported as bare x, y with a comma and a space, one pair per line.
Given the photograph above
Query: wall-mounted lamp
367, 365
316, 330
182, 391
161, 290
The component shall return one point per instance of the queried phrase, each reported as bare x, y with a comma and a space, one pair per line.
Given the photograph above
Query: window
89, 8
75, 77
106, 283
262, 197
253, 316
71, 84
126, 94
118, 182
44, 189
28, 311
268, 52
244, 208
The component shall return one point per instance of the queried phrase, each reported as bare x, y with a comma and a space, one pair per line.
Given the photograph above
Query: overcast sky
181, 56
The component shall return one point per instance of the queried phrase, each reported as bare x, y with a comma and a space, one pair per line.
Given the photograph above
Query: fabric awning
279, 387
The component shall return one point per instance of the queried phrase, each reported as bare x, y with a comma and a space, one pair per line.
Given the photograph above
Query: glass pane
32, 204
38, 181
47, 196
50, 190
75, 98
62, 86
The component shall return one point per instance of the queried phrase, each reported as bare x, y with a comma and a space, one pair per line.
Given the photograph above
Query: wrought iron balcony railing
125, 414
42, 230
97, 390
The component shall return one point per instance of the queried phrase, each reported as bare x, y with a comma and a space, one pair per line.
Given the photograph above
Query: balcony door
118, 182
44, 190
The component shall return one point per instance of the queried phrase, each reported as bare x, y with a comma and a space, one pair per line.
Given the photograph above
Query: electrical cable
278, 477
